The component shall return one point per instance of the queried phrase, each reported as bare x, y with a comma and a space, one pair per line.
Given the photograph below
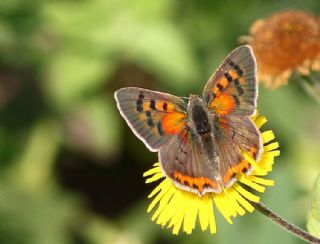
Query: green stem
302, 234
311, 85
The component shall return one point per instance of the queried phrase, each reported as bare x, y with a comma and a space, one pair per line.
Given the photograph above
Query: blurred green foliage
71, 170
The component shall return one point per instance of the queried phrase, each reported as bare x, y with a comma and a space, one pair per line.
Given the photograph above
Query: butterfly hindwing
153, 116
233, 135
185, 162
232, 89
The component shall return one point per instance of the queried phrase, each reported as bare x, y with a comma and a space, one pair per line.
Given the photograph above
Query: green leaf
39, 218
72, 76
313, 224
33, 169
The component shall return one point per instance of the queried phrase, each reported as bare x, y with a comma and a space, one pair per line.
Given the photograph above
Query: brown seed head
285, 42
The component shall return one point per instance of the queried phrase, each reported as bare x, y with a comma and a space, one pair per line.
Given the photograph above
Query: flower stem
311, 85
302, 234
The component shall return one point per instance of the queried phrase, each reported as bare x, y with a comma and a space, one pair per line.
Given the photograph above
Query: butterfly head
194, 100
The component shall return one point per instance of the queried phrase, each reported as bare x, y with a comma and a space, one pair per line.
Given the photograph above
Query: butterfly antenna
186, 98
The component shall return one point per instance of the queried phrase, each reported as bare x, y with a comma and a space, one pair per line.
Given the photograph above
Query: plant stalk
302, 234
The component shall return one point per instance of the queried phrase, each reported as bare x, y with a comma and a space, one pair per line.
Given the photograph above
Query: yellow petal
205, 206
180, 208
246, 194
212, 224
271, 146
152, 171
242, 201
257, 187
222, 207
190, 215
169, 211
177, 225
261, 181
260, 121
274, 153
267, 136
165, 186
155, 177
163, 202
234, 202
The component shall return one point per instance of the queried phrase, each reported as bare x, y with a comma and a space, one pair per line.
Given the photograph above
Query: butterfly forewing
232, 89
153, 116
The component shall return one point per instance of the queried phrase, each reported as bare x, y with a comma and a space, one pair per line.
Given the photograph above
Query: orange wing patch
169, 121
196, 183
240, 168
173, 123
223, 104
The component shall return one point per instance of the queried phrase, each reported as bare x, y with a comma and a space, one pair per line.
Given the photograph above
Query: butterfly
200, 140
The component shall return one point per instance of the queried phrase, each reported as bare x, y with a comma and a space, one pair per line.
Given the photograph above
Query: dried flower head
283, 43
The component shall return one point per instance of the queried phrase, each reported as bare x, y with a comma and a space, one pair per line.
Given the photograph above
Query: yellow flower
284, 43
179, 209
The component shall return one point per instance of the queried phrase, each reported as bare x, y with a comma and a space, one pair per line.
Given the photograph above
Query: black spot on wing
139, 102
220, 87
231, 63
228, 77
238, 70
195, 186
206, 185
139, 105
240, 90
150, 122
236, 100
153, 104
165, 106
159, 127
141, 96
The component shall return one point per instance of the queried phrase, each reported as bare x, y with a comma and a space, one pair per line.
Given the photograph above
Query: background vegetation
71, 169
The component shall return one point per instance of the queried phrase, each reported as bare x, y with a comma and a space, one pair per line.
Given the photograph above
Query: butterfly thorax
199, 115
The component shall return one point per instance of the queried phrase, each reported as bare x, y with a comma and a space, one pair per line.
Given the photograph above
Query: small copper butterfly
200, 140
